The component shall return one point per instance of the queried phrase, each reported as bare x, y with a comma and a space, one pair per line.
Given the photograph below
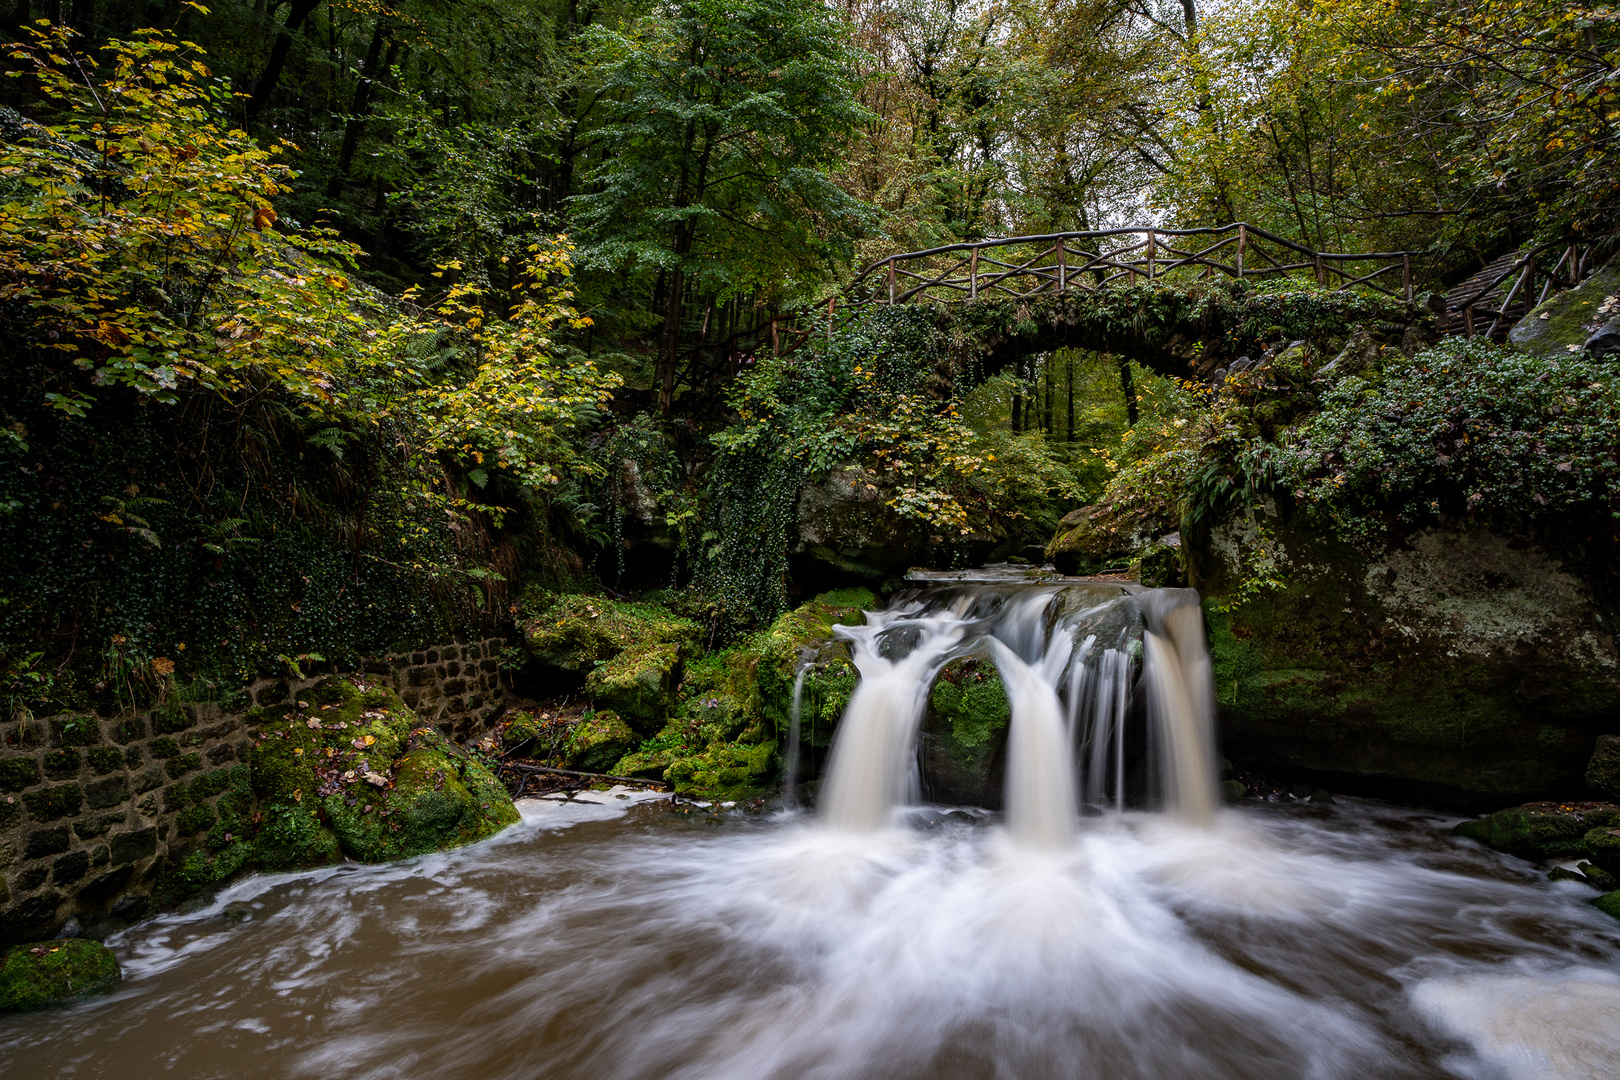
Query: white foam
1563, 1026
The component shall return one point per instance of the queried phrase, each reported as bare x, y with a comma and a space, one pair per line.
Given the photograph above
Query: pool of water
1286, 942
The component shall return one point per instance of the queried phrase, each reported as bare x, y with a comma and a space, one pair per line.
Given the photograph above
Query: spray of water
1070, 657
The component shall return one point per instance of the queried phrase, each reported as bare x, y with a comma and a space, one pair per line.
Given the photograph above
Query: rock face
1582, 317
47, 972
1542, 830
1603, 770
964, 737
1458, 657
847, 531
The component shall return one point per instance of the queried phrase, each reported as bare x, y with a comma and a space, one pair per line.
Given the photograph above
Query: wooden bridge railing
1024, 267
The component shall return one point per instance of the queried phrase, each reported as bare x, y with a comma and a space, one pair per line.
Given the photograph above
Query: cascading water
1070, 656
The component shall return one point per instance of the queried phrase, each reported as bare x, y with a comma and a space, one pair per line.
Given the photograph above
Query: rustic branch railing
1024, 267
1482, 296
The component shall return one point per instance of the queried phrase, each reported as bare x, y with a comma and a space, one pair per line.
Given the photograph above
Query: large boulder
348, 772
1603, 769
848, 531
1575, 319
1459, 657
47, 972
1543, 829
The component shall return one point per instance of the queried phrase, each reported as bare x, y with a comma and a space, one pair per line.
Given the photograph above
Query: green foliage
1467, 430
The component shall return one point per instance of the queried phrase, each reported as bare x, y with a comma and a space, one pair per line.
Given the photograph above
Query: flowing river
1114, 924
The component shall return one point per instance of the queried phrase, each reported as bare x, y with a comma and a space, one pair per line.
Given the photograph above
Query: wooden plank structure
1493, 300
1025, 267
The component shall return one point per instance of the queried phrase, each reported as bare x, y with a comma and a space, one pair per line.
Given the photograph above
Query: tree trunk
669, 346
361, 106
266, 84
1128, 385
1071, 398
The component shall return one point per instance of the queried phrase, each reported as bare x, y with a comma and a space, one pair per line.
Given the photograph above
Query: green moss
52, 803
598, 741
639, 683
1609, 904
1539, 830
195, 819
970, 698
61, 764
105, 759
804, 636
165, 748
179, 766
18, 773
575, 633
737, 770
435, 801
1603, 845
50, 971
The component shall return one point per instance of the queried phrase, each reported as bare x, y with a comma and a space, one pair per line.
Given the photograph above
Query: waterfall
1071, 656
790, 767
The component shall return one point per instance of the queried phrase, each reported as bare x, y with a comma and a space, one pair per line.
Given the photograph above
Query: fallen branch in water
582, 775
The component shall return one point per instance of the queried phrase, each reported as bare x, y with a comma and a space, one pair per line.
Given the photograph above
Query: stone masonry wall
94, 809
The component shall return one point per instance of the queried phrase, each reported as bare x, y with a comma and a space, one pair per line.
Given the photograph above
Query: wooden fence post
1063, 264
973, 274
776, 341
1321, 279
832, 302
1468, 320
1406, 274
891, 281
1243, 247
1150, 256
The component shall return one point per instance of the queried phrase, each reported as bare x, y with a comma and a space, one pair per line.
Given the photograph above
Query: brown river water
1282, 942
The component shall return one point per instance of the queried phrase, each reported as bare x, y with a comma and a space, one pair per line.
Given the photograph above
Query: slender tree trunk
669, 346
1128, 385
1070, 381
361, 106
266, 84
1046, 425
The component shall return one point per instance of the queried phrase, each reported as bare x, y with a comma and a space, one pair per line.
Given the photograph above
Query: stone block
32, 878
70, 867
271, 694
432, 657
472, 652
453, 668
130, 846
129, 729
18, 773
43, 842
221, 753
150, 780
1603, 769
101, 794
453, 687
61, 801
419, 676
110, 884
87, 827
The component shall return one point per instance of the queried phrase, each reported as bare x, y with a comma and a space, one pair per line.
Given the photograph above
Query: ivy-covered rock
1569, 319
599, 741
1540, 830
803, 638
47, 972
964, 736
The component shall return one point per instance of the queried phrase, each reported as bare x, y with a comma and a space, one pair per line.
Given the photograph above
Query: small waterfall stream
1071, 657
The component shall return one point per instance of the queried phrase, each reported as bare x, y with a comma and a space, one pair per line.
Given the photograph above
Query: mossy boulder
1569, 319
734, 770
1106, 535
575, 633
639, 683
964, 736
1603, 846
1603, 768
803, 638
48, 972
1460, 657
1609, 904
348, 772
1543, 829
599, 741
